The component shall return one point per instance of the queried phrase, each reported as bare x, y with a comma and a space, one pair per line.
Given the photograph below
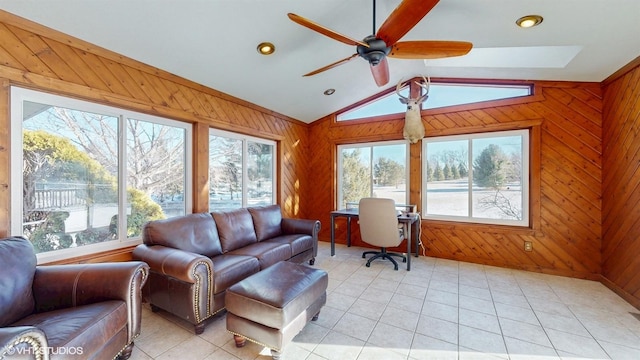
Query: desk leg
349, 231
409, 240
333, 235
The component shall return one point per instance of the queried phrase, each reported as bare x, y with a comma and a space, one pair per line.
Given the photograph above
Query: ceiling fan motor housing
376, 51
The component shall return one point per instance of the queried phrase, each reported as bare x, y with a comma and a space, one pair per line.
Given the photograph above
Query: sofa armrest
65, 286
23, 342
176, 263
301, 226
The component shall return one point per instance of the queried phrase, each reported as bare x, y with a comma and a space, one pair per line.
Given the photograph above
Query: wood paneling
621, 185
565, 118
36, 57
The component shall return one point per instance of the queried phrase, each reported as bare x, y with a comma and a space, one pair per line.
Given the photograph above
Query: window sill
86, 253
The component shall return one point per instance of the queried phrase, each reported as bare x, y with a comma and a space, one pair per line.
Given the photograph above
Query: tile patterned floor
441, 309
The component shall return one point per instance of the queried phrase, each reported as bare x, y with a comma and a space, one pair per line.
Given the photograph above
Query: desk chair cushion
378, 221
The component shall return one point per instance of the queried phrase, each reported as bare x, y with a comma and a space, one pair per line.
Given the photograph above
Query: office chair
378, 219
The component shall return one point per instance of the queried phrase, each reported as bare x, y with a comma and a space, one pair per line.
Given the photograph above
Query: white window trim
525, 222
339, 193
245, 150
18, 96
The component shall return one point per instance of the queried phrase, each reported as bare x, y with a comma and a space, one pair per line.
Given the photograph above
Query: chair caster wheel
368, 265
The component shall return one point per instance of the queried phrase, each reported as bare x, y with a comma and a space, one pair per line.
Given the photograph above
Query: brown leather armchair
80, 311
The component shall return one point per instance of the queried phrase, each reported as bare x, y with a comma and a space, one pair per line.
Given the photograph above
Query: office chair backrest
378, 219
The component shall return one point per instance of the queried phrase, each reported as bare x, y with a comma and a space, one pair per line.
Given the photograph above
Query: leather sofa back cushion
195, 233
266, 220
235, 228
16, 278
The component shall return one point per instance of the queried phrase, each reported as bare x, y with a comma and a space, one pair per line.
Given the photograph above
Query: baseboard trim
621, 292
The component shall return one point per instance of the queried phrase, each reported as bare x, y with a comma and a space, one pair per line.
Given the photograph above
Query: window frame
339, 172
527, 187
18, 96
245, 175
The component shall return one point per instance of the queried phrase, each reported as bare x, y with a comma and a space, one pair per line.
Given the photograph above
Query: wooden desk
409, 218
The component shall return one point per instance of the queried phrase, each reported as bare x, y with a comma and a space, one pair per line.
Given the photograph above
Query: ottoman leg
275, 354
315, 317
240, 340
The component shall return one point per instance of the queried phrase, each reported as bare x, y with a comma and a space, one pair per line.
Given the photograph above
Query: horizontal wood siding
566, 203
621, 186
36, 57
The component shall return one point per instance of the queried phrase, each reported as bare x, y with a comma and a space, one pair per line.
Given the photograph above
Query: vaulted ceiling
213, 42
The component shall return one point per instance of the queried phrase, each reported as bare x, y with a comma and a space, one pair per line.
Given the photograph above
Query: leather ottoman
271, 307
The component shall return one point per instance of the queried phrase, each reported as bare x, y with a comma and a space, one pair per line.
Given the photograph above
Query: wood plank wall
36, 57
621, 185
566, 200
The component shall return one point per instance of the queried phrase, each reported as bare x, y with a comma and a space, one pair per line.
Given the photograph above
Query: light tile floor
441, 309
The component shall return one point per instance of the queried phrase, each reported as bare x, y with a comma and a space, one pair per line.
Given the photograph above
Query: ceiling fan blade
324, 31
339, 62
403, 19
381, 72
429, 49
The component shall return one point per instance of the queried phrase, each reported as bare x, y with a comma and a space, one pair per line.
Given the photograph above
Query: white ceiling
213, 42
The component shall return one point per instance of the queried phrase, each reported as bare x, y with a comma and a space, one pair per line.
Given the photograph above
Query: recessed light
529, 21
266, 48
329, 92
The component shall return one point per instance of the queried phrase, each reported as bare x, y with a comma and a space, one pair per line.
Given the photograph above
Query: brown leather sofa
194, 258
80, 311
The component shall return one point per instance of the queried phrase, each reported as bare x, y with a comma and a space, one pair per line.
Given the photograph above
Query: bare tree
155, 152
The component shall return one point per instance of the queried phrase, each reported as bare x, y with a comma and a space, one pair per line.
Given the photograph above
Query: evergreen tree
429, 172
356, 179
438, 174
462, 170
455, 173
489, 167
388, 172
447, 172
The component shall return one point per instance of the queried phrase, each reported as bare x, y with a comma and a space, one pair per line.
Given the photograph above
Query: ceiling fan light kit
385, 43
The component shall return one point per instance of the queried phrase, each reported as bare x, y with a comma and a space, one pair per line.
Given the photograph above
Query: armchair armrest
23, 342
301, 226
182, 265
64, 286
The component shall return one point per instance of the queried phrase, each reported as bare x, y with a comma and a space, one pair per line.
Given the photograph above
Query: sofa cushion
235, 228
195, 233
266, 220
299, 243
267, 253
229, 269
82, 327
18, 268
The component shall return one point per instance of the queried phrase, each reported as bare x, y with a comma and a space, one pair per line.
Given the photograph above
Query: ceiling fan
376, 48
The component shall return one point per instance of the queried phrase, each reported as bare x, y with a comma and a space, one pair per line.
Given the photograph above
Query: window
440, 95
241, 171
373, 170
92, 175
480, 178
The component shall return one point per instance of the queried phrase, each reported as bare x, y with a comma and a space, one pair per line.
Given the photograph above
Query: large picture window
480, 178
373, 170
92, 175
241, 171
